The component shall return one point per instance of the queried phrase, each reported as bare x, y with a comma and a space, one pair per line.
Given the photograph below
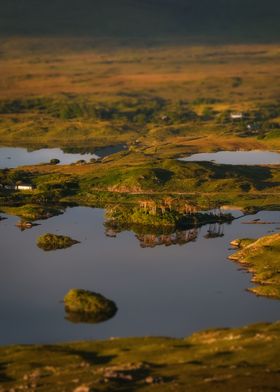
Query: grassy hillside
218, 19
172, 98
130, 177
243, 359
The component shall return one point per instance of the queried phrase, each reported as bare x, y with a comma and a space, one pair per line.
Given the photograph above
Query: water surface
16, 156
237, 157
161, 290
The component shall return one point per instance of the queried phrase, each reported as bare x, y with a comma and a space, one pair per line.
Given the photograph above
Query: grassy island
211, 361
52, 241
162, 216
86, 306
262, 258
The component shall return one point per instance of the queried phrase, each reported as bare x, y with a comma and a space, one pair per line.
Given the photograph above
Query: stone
83, 388
153, 380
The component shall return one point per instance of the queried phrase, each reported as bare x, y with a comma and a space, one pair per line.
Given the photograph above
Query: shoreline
211, 360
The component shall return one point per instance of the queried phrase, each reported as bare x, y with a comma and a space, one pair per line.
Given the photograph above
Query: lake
237, 157
11, 157
161, 290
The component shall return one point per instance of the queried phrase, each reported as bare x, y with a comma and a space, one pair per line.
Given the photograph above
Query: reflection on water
160, 290
87, 318
237, 157
215, 230
176, 238
178, 227
150, 237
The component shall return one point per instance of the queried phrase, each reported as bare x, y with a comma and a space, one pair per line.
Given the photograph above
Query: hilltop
218, 19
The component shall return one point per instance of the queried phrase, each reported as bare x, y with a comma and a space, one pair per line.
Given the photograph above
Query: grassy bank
262, 258
214, 360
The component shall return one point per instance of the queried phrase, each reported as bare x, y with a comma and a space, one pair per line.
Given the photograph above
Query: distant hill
233, 19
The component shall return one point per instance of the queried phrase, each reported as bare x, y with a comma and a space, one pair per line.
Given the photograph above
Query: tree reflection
176, 238
169, 222
215, 230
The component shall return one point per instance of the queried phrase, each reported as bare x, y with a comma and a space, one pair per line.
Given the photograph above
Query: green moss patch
52, 242
86, 306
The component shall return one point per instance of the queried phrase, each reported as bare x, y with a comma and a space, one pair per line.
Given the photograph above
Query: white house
236, 116
24, 187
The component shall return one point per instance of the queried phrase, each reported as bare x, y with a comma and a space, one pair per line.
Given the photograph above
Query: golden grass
102, 72
184, 72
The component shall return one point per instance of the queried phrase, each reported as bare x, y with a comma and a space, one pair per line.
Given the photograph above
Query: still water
16, 156
237, 157
162, 290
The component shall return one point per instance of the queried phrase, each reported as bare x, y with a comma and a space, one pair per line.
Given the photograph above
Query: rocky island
261, 257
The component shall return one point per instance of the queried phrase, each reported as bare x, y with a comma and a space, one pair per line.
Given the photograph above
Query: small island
262, 258
50, 241
87, 306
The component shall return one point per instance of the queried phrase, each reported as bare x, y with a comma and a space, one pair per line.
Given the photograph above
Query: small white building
236, 116
24, 187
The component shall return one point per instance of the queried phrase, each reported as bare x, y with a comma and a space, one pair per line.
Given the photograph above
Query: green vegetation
217, 360
32, 212
262, 258
54, 161
86, 306
151, 119
167, 214
171, 99
52, 242
130, 179
161, 99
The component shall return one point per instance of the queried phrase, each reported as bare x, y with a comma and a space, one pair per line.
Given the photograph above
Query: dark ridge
239, 20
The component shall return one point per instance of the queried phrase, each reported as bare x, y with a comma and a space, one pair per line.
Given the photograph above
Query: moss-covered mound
262, 258
86, 306
52, 241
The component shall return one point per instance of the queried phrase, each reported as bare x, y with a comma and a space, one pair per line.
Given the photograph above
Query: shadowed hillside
217, 19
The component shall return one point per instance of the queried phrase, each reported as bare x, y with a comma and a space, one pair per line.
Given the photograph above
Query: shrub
54, 161
51, 242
